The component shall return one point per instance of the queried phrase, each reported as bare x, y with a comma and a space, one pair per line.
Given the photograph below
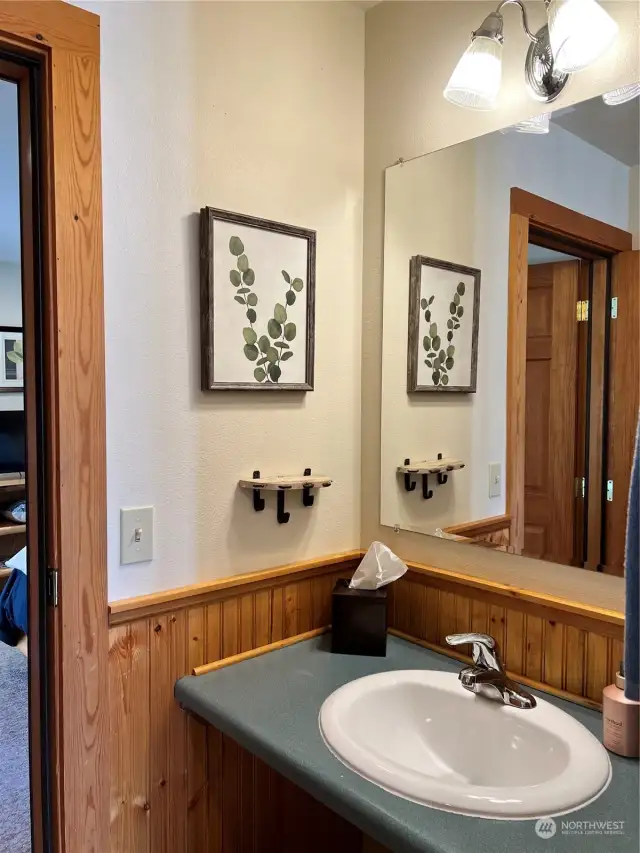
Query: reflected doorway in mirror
444, 306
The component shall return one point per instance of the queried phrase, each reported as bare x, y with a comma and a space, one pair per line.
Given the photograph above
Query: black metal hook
409, 486
427, 493
442, 478
258, 500
307, 497
283, 517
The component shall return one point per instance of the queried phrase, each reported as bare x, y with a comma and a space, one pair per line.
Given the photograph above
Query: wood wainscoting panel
558, 650
180, 785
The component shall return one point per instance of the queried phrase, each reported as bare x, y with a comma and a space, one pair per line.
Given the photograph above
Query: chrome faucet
487, 676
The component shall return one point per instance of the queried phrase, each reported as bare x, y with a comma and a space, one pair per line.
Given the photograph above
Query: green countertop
270, 706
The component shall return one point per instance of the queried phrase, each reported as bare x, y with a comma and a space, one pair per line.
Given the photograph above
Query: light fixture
579, 31
622, 95
476, 79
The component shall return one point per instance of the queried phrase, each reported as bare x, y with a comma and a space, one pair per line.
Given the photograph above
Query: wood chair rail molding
130, 609
127, 609
480, 527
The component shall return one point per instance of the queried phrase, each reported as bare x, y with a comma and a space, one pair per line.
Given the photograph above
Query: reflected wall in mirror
543, 449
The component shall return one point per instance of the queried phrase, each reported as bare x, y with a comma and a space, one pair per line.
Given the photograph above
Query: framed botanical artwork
444, 312
11, 363
257, 303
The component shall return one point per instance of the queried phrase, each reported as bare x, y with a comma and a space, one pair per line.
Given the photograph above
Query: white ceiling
9, 186
614, 130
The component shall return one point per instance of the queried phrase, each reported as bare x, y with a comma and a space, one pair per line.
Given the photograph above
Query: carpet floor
15, 818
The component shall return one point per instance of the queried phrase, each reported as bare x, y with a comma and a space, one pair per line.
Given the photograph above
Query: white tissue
379, 567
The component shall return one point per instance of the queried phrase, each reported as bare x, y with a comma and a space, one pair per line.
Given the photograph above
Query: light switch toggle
495, 479
136, 535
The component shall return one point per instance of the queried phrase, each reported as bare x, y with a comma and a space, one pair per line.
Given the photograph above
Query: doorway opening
571, 393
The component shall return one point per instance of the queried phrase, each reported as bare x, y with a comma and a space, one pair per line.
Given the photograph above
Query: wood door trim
554, 219
66, 40
128, 609
517, 375
529, 211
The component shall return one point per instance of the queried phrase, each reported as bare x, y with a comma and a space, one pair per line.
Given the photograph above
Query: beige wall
431, 210
410, 51
256, 108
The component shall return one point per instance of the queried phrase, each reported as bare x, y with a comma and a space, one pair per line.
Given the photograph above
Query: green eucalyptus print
440, 360
271, 349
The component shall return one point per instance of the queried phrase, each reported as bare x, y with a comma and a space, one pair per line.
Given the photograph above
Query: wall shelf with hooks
281, 484
424, 468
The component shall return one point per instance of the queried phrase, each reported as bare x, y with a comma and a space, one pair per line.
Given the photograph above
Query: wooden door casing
623, 404
551, 409
64, 41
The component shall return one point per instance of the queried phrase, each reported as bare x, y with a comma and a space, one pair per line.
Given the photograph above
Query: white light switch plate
136, 535
495, 479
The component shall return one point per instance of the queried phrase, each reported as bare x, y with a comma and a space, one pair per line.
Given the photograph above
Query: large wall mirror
511, 358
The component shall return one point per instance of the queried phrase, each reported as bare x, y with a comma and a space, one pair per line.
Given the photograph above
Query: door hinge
582, 310
609, 490
581, 487
614, 308
52, 587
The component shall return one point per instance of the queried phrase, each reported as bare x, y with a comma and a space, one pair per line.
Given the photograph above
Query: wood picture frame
264, 345
431, 345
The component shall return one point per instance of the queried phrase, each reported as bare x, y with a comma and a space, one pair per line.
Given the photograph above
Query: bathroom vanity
270, 706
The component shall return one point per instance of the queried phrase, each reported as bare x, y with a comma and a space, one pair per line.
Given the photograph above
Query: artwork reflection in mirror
444, 303
547, 439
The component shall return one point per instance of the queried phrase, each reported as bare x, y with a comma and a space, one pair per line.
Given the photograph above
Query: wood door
623, 404
550, 411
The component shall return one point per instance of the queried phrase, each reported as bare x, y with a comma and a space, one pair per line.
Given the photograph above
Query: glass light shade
537, 124
475, 82
580, 31
622, 95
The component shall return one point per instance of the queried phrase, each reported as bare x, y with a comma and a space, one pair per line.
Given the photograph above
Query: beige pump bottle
620, 719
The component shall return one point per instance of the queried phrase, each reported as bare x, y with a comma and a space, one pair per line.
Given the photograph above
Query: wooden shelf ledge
282, 483
432, 466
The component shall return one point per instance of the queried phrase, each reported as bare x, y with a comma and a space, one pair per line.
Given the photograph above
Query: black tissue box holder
358, 621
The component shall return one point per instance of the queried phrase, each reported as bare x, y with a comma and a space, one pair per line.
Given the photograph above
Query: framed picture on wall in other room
11, 364
257, 303
444, 309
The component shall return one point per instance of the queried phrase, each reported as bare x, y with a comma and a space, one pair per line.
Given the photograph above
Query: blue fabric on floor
632, 581
15, 815
14, 609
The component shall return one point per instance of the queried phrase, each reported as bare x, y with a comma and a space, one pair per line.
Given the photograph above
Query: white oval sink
422, 736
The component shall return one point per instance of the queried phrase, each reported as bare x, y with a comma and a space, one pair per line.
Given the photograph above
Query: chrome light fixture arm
525, 17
